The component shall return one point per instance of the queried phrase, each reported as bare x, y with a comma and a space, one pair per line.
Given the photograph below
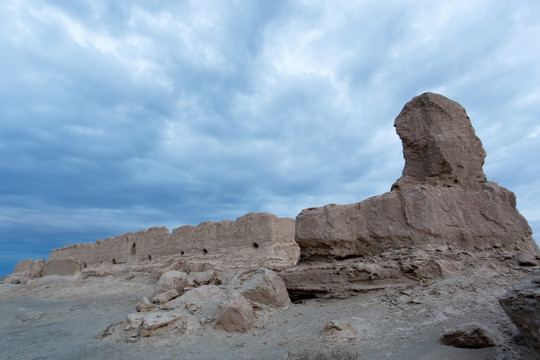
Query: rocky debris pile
442, 202
522, 304
181, 305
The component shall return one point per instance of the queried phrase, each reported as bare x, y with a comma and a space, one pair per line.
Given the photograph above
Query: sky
121, 115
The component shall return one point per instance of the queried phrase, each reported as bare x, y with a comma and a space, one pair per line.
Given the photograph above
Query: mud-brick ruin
262, 239
255, 239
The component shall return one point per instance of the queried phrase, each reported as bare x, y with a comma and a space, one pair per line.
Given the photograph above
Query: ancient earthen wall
126, 248
65, 267
30, 268
260, 238
23, 266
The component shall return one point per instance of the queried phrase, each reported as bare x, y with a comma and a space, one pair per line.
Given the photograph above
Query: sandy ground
62, 318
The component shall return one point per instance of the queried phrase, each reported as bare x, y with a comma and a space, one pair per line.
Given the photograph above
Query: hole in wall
133, 250
84, 265
205, 251
182, 253
255, 245
114, 261
150, 257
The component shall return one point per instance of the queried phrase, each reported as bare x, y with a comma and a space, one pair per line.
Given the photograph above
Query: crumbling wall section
64, 267
129, 248
261, 239
29, 268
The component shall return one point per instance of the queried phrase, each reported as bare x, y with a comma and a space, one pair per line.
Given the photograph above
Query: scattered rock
201, 278
144, 305
206, 297
471, 336
155, 320
424, 268
522, 304
235, 314
171, 280
262, 286
340, 331
166, 296
526, 259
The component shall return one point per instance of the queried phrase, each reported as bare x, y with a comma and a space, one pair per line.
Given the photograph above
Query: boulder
155, 320
207, 297
201, 278
470, 336
262, 286
522, 305
144, 305
154, 323
235, 314
170, 280
526, 259
208, 303
166, 296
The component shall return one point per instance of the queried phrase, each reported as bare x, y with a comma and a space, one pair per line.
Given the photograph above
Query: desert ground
62, 317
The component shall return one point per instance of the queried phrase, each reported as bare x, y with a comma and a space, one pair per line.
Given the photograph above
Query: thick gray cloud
125, 115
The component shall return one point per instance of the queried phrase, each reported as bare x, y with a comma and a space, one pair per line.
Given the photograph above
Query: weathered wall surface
32, 269
23, 266
478, 219
126, 248
260, 238
66, 267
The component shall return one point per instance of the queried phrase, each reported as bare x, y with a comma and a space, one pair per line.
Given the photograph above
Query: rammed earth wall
260, 238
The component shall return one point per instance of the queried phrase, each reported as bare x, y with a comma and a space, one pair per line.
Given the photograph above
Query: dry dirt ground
63, 318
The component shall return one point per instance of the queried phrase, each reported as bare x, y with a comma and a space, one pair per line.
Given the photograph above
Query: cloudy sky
122, 115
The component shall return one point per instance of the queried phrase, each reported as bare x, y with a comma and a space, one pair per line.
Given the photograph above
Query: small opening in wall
150, 257
114, 261
205, 251
182, 253
84, 265
255, 245
133, 250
